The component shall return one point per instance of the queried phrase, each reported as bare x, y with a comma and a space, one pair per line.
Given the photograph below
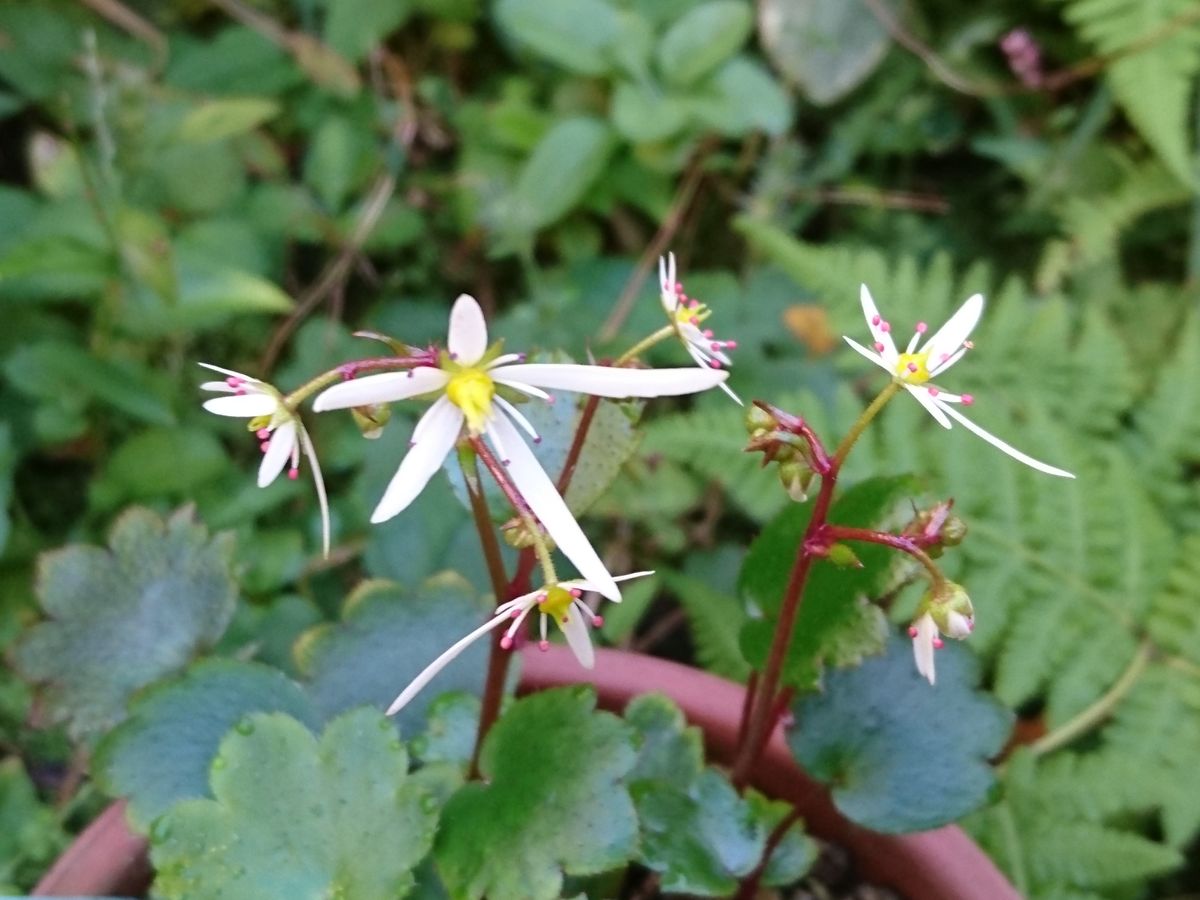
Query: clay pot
943, 864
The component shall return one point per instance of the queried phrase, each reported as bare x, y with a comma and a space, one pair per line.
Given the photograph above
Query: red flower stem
493, 465
358, 366
748, 701
796, 425
832, 533
581, 433
749, 887
493, 689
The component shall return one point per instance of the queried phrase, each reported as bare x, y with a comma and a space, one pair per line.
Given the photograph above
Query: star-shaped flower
281, 434
561, 602
916, 368
466, 383
686, 315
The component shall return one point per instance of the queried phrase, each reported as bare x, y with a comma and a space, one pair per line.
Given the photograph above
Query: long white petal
923, 646
242, 406
609, 381
467, 340
957, 329
875, 323
517, 416
1001, 445
931, 406
869, 354
431, 670
666, 283
525, 389
439, 430
383, 388
220, 387
279, 449
536, 488
229, 372
575, 628
584, 585
322, 499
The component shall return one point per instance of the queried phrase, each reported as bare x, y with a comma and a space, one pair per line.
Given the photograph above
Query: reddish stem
358, 366
821, 462
493, 465
749, 886
581, 433
913, 546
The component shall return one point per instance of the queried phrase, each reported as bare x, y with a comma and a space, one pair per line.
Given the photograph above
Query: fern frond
1175, 618
1157, 48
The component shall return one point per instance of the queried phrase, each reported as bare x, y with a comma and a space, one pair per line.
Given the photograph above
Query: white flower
916, 368
467, 379
946, 610
281, 433
562, 602
686, 314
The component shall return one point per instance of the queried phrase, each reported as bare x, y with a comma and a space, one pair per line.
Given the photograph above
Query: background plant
249, 182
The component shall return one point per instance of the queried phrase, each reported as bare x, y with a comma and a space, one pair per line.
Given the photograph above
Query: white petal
871, 314
609, 381
958, 626
311, 452
220, 387
957, 329
439, 430
279, 450
584, 585
930, 404
1001, 445
536, 488
229, 372
467, 340
383, 388
941, 365
522, 388
242, 406
428, 673
578, 639
870, 354
923, 646
517, 416
666, 283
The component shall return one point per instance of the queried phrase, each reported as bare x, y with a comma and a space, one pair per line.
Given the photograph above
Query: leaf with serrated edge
553, 801
121, 618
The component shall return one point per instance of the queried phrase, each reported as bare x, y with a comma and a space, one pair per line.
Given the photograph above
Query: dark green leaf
298, 817
123, 617
353, 27
898, 753
552, 800
162, 753
29, 831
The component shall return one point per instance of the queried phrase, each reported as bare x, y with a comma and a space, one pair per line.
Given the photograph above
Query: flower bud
371, 419
759, 421
953, 531
951, 609
796, 476
843, 557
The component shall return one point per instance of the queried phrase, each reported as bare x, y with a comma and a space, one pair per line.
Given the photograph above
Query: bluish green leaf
703, 38
579, 35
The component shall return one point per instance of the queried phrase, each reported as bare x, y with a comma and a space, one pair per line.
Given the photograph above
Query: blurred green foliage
246, 183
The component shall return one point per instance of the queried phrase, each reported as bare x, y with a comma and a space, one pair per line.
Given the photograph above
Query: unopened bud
796, 475
759, 420
842, 556
371, 419
951, 609
516, 534
954, 531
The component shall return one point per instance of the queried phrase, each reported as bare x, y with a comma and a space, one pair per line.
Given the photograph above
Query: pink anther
933, 392
912, 631
912, 367
875, 319
597, 621
506, 643
879, 346
293, 473
263, 433
938, 643
967, 399
921, 327
264, 446
885, 327
543, 646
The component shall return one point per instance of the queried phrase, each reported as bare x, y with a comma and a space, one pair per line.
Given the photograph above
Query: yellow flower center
913, 368
557, 603
685, 314
471, 390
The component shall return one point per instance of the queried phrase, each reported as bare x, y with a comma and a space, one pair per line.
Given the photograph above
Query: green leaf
1156, 60
298, 817
30, 835
385, 638
51, 368
567, 813
828, 47
449, 736
835, 624
339, 160
8, 466
567, 161
162, 753
898, 753
742, 97
353, 27
579, 35
160, 462
216, 120
696, 831
715, 619
121, 618
644, 113
209, 294
702, 39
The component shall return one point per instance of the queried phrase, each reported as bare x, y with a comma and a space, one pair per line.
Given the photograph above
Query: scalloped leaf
898, 753
294, 816
162, 753
562, 811
122, 617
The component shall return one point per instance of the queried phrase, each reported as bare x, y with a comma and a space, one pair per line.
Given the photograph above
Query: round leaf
552, 802
161, 754
900, 754
298, 817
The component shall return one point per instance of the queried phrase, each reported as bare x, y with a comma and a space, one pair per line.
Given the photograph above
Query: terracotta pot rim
107, 858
